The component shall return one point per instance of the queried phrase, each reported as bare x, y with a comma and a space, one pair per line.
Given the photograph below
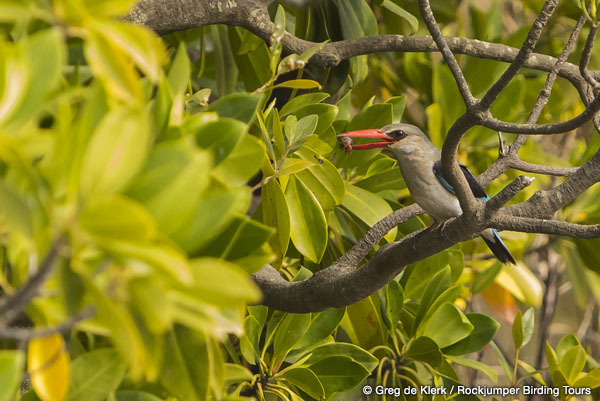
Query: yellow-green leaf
49, 367
307, 221
116, 151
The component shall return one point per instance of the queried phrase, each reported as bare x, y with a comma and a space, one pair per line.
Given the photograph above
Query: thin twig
11, 306
436, 34
524, 53
26, 334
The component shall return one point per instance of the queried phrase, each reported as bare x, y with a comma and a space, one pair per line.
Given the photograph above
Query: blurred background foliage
164, 171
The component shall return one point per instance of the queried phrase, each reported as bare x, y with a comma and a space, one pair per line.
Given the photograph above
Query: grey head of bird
402, 140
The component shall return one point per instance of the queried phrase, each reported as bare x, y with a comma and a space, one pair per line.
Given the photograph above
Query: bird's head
401, 139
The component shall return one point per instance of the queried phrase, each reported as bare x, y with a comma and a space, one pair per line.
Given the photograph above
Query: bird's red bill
347, 144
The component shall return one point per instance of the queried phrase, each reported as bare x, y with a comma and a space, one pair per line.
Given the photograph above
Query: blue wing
476, 188
490, 236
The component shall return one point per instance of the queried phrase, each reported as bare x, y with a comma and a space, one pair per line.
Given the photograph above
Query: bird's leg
431, 227
443, 227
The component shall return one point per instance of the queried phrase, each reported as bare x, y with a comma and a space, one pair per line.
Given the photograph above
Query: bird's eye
398, 134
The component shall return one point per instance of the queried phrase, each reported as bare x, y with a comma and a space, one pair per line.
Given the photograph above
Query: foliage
142, 155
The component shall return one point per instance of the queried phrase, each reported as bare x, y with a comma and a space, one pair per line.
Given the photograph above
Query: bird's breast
426, 189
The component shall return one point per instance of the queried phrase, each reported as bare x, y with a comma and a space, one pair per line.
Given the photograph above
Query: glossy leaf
49, 367
306, 380
12, 363
308, 227
116, 151
424, 349
482, 367
95, 375
368, 207
483, 332
322, 179
275, 213
220, 137
356, 353
222, 283
290, 331
322, 325
446, 326
117, 217
339, 373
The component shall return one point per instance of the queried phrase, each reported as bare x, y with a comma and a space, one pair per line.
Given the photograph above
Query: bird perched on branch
421, 167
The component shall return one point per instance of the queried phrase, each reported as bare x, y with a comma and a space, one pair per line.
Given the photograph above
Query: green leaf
322, 325
339, 373
179, 74
203, 227
172, 199
398, 103
487, 277
357, 354
242, 238
394, 301
299, 84
484, 330
528, 325
290, 331
135, 395
161, 256
114, 69
573, 363
95, 374
32, 69
226, 70
220, 137
249, 341
221, 283
116, 151
325, 112
300, 101
551, 357
12, 363
15, 213
446, 326
291, 165
565, 344
517, 330
368, 207
117, 217
143, 46
424, 349
438, 284
275, 213
307, 221
323, 179
240, 106
399, 11
482, 367
192, 365
306, 380
235, 373
242, 163
500, 357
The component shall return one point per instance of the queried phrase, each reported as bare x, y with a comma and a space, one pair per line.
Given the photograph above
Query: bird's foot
443, 225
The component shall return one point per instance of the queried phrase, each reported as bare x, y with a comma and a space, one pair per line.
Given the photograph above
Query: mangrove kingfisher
421, 167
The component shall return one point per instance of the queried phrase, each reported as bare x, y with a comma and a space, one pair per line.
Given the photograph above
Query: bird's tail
496, 245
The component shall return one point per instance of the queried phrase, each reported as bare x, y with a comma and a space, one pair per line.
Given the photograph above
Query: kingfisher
420, 163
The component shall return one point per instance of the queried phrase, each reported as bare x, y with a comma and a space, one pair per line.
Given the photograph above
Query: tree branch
11, 306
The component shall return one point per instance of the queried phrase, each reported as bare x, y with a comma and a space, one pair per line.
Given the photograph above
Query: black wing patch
476, 188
